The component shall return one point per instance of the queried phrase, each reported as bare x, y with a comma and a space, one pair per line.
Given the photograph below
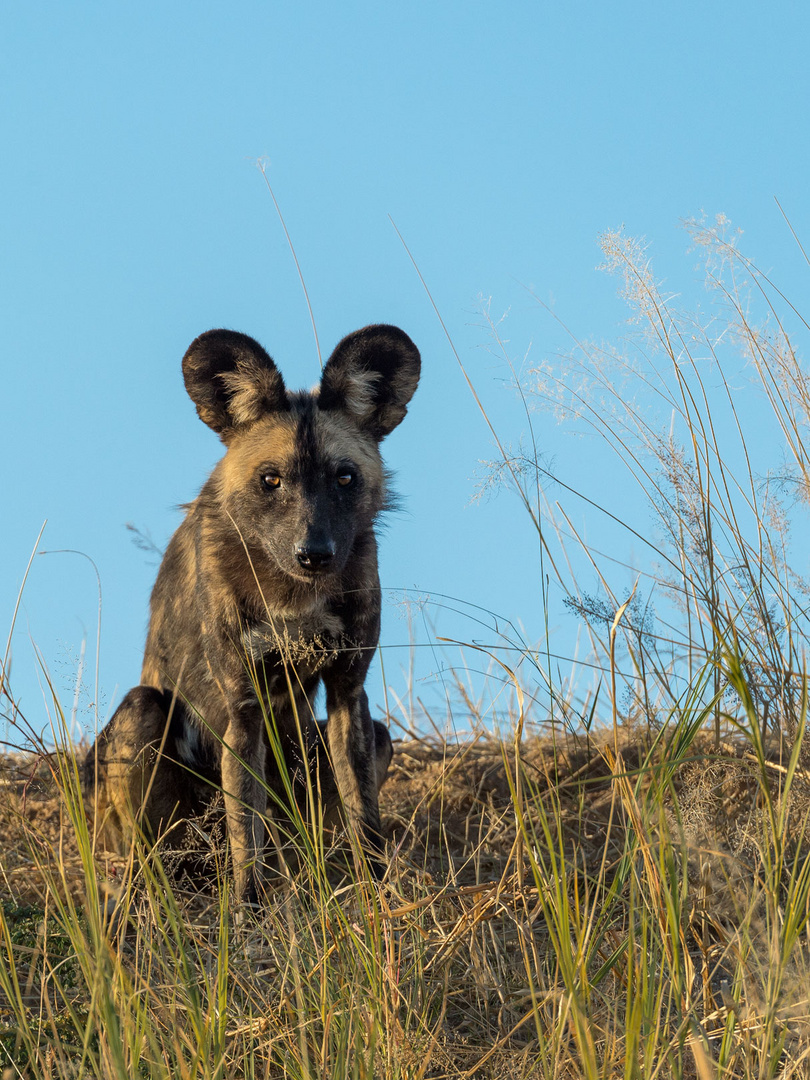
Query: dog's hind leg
134, 777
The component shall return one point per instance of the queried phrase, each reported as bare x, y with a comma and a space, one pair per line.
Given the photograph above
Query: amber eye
272, 481
344, 479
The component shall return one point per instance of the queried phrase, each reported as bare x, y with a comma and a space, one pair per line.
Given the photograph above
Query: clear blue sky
501, 138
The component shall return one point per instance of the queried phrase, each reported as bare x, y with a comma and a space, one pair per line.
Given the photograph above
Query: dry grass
565, 913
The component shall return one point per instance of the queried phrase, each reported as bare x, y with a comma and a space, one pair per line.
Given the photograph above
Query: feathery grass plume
665, 406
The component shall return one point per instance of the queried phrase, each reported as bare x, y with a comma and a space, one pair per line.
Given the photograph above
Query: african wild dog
269, 584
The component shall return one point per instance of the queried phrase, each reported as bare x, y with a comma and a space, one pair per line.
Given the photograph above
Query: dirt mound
448, 808
636, 883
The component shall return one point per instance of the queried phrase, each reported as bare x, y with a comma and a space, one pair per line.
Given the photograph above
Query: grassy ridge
582, 908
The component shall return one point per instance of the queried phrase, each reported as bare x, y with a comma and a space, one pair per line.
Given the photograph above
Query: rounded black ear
372, 375
232, 380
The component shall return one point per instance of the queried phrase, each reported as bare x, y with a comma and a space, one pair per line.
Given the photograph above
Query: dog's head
303, 477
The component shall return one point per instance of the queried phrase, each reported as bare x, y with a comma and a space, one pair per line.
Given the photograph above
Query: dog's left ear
372, 375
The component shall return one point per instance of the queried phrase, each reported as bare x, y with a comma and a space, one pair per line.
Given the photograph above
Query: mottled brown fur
268, 588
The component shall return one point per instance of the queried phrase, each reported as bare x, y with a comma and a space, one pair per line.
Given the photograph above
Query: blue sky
501, 139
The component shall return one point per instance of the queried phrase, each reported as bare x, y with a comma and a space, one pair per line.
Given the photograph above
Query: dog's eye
344, 479
271, 481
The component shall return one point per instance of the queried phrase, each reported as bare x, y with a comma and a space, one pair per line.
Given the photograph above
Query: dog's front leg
352, 748
243, 765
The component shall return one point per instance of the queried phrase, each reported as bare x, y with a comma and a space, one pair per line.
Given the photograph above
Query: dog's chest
305, 642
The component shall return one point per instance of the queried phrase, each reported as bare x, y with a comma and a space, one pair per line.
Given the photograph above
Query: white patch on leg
189, 746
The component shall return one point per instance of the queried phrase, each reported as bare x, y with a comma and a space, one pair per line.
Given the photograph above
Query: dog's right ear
232, 381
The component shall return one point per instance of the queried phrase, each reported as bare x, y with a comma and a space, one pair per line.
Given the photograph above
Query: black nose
315, 558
